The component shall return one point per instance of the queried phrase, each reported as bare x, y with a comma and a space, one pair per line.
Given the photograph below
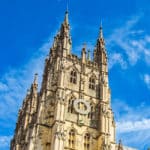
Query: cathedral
72, 110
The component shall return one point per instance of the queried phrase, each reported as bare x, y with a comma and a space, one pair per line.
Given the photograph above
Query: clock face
81, 106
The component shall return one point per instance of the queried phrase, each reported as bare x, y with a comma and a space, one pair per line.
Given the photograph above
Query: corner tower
72, 109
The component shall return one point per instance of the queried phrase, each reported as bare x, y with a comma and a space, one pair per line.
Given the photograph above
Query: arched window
71, 141
73, 76
90, 114
87, 141
92, 83
70, 105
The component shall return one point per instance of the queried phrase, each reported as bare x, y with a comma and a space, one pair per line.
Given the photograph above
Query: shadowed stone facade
73, 110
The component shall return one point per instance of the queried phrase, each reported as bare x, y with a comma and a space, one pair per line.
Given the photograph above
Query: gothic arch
70, 100
93, 75
92, 82
72, 136
73, 76
87, 141
92, 112
72, 128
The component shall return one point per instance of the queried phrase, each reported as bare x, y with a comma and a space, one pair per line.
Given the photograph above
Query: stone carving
44, 115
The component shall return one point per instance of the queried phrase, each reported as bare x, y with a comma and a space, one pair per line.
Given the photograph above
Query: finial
36, 78
66, 20
101, 30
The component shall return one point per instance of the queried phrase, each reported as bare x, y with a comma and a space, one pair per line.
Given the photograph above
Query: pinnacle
66, 20
35, 78
101, 31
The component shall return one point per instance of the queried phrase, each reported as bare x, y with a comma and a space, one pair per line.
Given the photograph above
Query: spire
65, 27
100, 55
101, 37
66, 20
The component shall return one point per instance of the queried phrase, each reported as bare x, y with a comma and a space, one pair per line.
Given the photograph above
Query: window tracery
70, 105
71, 141
91, 113
73, 76
87, 141
92, 83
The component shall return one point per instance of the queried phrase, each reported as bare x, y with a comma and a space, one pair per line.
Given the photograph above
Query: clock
81, 106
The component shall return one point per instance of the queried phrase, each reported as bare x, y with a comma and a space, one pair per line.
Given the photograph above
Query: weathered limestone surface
73, 110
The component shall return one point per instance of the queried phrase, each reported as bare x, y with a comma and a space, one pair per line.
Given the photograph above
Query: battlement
88, 63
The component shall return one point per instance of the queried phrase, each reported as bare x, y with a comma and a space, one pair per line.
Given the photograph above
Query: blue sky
27, 29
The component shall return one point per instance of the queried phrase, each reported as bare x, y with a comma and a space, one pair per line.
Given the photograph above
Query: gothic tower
72, 111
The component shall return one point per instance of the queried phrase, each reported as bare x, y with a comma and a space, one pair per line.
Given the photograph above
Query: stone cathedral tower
72, 111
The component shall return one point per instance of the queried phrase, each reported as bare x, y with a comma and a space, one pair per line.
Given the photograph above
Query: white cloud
147, 80
116, 58
127, 120
130, 41
132, 124
15, 82
128, 126
124, 112
140, 139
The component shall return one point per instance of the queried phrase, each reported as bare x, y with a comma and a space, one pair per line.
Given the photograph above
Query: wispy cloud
128, 126
132, 121
140, 139
124, 112
117, 59
133, 44
15, 82
146, 79
13, 86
